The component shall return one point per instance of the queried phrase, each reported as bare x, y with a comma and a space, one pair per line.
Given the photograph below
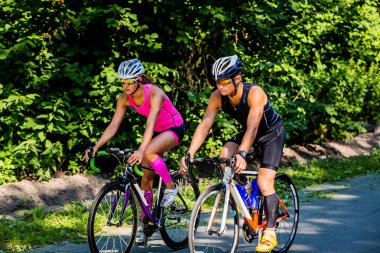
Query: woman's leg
162, 142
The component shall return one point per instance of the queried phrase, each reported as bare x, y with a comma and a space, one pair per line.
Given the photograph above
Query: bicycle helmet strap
235, 91
138, 87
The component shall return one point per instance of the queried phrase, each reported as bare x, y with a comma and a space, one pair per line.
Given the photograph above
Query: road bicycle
214, 222
113, 218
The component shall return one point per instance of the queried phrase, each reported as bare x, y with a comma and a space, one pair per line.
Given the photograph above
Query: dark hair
146, 79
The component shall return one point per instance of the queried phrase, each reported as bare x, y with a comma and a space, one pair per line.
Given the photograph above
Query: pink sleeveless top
168, 116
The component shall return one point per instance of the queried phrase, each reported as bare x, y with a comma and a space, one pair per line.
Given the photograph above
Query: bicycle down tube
231, 189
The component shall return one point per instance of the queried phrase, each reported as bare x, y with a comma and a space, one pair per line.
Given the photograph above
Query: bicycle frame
230, 188
131, 184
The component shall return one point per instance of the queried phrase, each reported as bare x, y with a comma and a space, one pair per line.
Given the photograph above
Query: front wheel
288, 212
112, 222
177, 217
205, 233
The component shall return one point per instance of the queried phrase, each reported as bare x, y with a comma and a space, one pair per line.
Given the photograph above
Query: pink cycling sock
160, 167
148, 195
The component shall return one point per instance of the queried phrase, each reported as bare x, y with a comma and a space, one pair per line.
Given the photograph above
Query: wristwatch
242, 153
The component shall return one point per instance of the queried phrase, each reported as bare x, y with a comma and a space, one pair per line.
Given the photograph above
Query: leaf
50, 127
42, 136
167, 88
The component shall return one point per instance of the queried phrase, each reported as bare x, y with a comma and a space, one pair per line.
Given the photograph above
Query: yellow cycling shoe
267, 243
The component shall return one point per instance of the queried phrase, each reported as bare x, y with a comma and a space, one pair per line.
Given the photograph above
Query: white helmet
131, 69
226, 67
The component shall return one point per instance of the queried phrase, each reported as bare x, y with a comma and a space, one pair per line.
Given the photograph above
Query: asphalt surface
348, 220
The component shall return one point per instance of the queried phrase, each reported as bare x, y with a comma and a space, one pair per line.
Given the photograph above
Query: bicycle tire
104, 235
175, 227
286, 229
200, 240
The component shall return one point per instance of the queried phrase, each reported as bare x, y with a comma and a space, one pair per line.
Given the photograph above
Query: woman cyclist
261, 125
164, 127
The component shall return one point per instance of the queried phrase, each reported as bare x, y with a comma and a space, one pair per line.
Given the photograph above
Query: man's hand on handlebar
240, 164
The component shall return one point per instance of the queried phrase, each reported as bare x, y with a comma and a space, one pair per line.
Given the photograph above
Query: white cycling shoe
140, 238
169, 196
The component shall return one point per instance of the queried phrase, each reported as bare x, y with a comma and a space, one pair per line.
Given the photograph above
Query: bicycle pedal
146, 242
149, 229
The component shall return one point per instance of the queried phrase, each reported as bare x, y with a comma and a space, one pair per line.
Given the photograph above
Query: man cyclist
261, 125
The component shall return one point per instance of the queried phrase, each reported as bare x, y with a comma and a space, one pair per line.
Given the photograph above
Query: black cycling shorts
271, 144
179, 131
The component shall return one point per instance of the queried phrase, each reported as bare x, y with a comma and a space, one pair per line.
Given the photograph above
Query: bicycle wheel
286, 228
109, 229
203, 240
175, 227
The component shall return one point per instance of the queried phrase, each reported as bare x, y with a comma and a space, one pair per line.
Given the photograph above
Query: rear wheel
109, 228
177, 217
288, 213
209, 210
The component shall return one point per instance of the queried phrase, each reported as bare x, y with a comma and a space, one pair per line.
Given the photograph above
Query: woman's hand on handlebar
89, 153
184, 160
135, 158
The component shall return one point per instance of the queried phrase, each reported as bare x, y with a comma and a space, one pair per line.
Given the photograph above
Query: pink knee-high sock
148, 195
160, 167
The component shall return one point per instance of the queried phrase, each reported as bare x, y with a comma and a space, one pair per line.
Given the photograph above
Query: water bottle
248, 188
244, 195
254, 193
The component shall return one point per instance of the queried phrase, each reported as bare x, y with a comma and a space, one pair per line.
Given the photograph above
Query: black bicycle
113, 219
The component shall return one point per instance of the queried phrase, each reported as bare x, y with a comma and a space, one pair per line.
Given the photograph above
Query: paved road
347, 222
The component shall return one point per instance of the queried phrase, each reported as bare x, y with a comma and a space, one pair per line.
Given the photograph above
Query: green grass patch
39, 227
332, 170
320, 195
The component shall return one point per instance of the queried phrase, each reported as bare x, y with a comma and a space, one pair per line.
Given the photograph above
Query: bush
318, 62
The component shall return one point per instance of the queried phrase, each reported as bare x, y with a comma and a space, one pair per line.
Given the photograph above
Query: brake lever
89, 154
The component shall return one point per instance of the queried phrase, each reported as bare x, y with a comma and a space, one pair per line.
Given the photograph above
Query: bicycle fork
115, 201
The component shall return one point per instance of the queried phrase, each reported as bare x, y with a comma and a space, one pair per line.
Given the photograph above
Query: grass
332, 170
39, 226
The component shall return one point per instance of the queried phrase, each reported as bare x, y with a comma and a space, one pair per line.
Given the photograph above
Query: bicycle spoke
111, 229
177, 217
207, 220
286, 227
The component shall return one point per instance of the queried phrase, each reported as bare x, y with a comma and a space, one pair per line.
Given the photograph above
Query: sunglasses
129, 81
224, 82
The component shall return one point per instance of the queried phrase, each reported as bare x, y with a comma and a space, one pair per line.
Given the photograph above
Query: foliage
318, 62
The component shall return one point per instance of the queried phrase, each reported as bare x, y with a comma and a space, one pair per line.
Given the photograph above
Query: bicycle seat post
165, 156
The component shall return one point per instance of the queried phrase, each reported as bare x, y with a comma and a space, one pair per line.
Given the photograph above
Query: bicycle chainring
247, 235
149, 229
